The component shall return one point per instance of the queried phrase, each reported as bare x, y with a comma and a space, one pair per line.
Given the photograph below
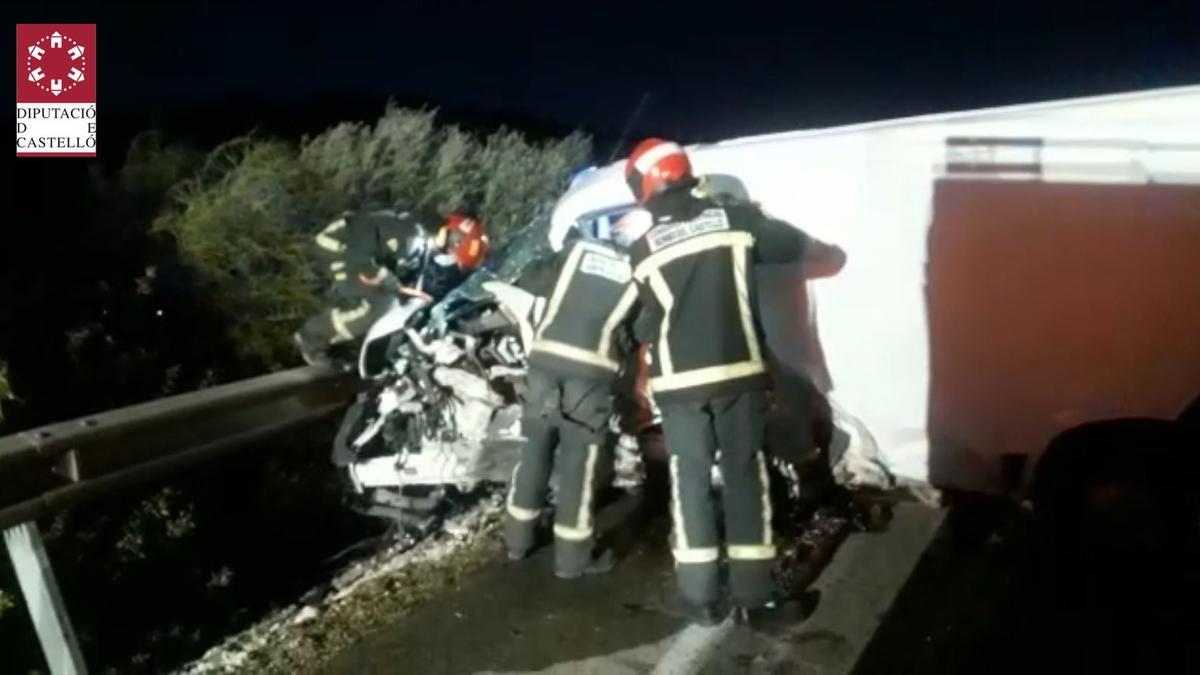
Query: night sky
712, 70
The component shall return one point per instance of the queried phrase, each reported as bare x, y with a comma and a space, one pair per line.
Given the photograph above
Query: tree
245, 221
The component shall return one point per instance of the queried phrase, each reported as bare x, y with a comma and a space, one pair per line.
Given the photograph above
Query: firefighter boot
602, 563
778, 613
309, 353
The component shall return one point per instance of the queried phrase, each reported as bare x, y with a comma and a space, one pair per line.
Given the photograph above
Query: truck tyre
1190, 421
1115, 490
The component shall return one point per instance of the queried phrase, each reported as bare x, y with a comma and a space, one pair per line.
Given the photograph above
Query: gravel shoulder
364, 597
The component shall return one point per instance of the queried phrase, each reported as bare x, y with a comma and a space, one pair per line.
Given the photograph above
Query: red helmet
465, 239
655, 165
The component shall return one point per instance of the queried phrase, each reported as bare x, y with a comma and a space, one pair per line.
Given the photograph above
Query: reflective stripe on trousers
693, 432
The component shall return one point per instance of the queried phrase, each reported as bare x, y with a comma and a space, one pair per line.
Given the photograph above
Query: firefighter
580, 337
694, 271
374, 257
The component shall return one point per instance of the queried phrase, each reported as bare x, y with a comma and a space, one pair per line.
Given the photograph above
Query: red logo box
56, 90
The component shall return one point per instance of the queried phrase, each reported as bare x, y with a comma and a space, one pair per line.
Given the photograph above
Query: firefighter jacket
579, 320
694, 271
363, 252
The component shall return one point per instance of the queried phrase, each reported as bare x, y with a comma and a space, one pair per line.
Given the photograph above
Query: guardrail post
46, 608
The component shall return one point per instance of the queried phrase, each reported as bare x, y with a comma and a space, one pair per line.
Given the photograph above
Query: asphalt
854, 594
991, 596
517, 618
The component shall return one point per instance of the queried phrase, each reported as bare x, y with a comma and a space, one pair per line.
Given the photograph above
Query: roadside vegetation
189, 267
244, 221
7, 602
6, 393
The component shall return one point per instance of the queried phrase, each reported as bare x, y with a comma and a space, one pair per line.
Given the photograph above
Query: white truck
1013, 273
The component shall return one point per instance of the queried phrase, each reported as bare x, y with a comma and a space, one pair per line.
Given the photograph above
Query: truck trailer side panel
1056, 304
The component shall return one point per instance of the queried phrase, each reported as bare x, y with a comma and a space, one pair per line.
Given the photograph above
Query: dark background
712, 69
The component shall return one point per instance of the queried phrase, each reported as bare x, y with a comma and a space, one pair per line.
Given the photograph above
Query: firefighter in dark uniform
694, 270
374, 257
580, 337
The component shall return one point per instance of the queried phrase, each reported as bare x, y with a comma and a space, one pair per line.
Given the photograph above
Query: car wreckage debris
441, 415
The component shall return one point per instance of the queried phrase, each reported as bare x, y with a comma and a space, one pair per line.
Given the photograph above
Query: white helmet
592, 192
630, 227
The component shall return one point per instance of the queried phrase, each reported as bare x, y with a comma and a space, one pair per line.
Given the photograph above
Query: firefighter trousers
347, 319
570, 415
694, 432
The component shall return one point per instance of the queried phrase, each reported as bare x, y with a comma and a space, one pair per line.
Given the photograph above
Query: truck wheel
1115, 490
1190, 420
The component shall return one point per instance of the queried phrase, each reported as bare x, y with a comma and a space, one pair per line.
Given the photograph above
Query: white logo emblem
74, 74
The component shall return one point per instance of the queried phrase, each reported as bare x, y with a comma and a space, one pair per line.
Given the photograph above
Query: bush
5, 391
245, 221
7, 602
407, 161
243, 224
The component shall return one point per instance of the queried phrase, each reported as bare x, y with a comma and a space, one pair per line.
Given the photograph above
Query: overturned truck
1020, 310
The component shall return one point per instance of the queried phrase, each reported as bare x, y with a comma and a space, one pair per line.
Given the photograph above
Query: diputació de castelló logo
56, 90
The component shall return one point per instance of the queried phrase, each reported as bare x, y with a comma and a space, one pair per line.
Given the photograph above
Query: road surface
517, 618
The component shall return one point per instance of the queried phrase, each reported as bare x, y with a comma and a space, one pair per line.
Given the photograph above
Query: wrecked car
440, 415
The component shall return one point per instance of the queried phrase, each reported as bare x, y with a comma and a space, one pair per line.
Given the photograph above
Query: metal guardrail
45, 469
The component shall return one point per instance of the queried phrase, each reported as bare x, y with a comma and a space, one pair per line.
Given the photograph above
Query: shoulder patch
711, 220
614, 269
